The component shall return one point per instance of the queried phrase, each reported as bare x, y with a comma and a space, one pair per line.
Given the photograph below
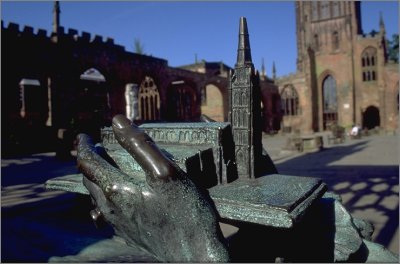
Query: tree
393, 48
139, 47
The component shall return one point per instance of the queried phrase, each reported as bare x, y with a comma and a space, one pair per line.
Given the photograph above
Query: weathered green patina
164, 188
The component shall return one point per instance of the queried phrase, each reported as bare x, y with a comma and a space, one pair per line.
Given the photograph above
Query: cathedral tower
245, 109
327, 33
325, 26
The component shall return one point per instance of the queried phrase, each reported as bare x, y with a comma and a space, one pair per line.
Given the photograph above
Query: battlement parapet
13, 27
42, 33
28, 30
72, 32
63, 33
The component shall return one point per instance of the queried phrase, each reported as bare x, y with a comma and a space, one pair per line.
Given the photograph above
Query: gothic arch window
244, 118
325, 10
335, 40
34, 100
236, 98
335, 9
244, 98
149, 100
368, 64
235, 118
316, 42
290, 101
314, 10
329, 101
214, 107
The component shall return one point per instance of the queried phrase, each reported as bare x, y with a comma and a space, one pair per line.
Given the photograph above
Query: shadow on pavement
38, 231
34, 169
370, 192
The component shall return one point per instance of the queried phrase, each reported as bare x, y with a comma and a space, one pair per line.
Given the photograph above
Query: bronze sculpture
151, 198
151, 213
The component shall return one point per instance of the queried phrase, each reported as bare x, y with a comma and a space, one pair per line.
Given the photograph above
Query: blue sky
176, 31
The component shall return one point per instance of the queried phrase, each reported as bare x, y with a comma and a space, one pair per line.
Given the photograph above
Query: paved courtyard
365, 172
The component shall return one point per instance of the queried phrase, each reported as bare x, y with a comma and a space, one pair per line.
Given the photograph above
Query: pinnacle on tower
263, 72
273, 70
243, 53
381, 24
56, 16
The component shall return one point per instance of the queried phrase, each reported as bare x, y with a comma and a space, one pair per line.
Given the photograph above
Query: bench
304, 143
338, 135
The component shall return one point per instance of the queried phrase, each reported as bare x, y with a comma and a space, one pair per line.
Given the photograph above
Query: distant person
355, 131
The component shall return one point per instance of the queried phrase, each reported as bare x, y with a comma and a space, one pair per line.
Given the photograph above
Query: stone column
131, 100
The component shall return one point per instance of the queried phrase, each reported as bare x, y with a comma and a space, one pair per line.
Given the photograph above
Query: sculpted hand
164, 213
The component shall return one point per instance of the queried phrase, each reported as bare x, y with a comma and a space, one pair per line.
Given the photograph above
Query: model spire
243, 53
245, 112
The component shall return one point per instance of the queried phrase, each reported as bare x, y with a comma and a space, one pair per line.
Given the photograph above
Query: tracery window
149, 100
335, 40
335, 9
368, 64
314, 10
325, 10
290, 101
329, 101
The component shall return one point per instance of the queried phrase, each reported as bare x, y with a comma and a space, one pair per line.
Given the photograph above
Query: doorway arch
212, 102
371, 118
182, 101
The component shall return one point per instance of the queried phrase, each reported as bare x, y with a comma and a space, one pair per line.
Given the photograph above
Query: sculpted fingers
93, 166
143, 149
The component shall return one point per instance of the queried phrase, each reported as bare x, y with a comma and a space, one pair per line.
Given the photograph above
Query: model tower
245, 112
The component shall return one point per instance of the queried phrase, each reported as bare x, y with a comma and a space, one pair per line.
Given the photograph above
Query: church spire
263, 72
56, 16
56, 22
273, 70
382, 29
243, 53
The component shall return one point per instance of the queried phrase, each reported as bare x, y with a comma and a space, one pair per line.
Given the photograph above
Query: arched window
316, 42
314, 10
329, 101
335, 9
335, 40
325, 10
368, 64
149, 100
214, 107
290, 101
